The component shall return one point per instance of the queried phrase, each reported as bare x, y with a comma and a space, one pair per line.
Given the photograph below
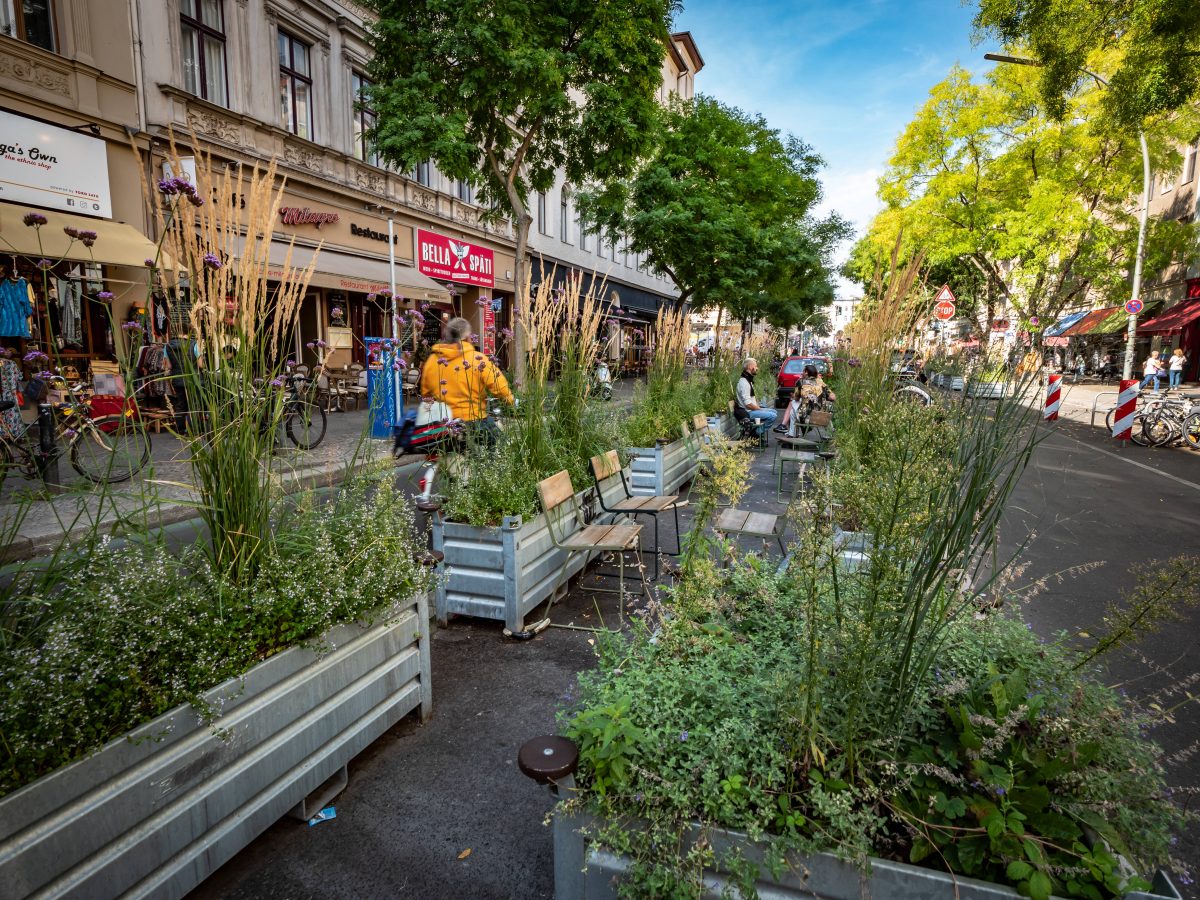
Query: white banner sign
55, 167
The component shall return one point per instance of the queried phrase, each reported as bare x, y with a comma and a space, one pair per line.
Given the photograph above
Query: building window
1189, 163
31, 21
583, 233
600, 242
543, 225
464, 192
422, 174
295, 85
564, 217
364, 120
202, 25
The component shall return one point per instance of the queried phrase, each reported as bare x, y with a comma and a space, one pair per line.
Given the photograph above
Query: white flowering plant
126, 631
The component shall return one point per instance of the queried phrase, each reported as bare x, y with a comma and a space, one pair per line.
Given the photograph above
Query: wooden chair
606, 472
568, 531
352, 389
755, 524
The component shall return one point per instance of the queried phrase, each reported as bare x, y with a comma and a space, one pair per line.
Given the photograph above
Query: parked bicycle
1168, 424
105, 450
303, 418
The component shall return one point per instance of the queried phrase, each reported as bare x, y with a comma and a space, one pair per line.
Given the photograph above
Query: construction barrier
1053, 397
1126, 408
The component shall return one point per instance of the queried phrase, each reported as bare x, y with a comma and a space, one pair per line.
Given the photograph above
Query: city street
422, 796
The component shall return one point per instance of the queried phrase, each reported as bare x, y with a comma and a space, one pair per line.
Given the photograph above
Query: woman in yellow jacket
461, 376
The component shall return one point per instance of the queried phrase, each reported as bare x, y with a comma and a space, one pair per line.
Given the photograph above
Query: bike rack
1096, 403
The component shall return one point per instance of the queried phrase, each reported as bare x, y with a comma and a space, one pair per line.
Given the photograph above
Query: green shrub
125, 633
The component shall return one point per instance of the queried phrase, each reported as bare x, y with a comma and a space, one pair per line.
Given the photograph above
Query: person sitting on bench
746, 400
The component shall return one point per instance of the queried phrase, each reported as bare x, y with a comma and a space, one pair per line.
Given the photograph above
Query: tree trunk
520, 338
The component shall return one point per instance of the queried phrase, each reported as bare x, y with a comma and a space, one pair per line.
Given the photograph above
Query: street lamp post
1139, 259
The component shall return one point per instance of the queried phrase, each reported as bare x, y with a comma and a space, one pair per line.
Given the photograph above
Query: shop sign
489, 330
302, 215
54, 167
365, 231
441, 257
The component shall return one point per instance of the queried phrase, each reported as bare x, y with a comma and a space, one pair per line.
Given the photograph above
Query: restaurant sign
451, 260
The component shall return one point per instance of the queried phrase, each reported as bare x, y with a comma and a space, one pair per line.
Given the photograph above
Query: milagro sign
53, 167
451, 260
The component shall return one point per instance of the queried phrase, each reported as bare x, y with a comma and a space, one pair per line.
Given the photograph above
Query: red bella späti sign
441, 257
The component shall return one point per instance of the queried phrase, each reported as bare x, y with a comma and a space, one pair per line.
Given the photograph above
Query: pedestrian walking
1152, 371
1178, 361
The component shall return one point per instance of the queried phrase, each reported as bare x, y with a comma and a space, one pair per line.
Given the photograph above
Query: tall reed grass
219, 259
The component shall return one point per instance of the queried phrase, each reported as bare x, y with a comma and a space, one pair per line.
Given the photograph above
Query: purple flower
70, 232
506, 333
310, 345
87, 238
149, 263
683, 736
195, 199
44, 374
854, 362
423, 306
131, 326
473, 338
482, 367
483, 301
34, 220
371, 297
291, 363
337, 312
45, 264
385, 293
397, 365
276, 382
167, 187
443, 381
442, 361
212, 261
321, 345
1000, 792
105, 296
36, 357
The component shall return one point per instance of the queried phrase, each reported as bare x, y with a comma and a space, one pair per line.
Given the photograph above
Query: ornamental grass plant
885, 708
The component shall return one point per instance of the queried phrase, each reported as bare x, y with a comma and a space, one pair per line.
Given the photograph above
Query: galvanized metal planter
584, 872
662, 469
157, 811
986, 390
503, 572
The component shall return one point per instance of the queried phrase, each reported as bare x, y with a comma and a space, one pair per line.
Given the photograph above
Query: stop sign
943, 306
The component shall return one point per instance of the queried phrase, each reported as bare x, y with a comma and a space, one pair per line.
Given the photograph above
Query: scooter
602, 383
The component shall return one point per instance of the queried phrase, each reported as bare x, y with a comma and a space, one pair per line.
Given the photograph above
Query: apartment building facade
563, 244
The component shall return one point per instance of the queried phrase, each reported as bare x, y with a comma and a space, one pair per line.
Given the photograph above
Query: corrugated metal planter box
987, 390
583, 872
157, 811
503, 572
955, 382
662, 469
724, 424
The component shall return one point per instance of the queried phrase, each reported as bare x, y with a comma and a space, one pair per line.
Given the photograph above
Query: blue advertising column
384, 406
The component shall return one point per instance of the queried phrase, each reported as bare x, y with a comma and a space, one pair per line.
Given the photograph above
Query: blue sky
844, 76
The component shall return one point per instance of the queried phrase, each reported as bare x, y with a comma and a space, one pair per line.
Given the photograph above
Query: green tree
723, 206
1158, 40
501, 93
1039, 208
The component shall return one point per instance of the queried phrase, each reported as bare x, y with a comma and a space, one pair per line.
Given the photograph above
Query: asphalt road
1091, 509
422, 796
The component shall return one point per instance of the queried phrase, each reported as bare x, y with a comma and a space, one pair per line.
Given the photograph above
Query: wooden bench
755, 524
568, 530
607, 471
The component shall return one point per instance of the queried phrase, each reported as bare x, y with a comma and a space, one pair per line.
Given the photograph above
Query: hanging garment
10, 383
16, 306
161, 317
154, 370
70, 310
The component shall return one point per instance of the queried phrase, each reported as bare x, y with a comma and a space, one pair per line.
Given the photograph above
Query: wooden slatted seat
746, 522
568, 531
606, 472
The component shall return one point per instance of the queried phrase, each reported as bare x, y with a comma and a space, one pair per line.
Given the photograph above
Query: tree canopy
1158, 39
501, 93
723, 205
1039, 208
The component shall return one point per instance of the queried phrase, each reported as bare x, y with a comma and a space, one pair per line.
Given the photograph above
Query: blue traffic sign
1134, 306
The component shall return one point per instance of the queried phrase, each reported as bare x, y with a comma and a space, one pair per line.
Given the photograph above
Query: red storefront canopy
1088, 322
1174, 320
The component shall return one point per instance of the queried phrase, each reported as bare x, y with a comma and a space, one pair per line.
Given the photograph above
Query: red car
792, 371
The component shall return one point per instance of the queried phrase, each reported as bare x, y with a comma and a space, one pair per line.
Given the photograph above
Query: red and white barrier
1053, 397
1126, 408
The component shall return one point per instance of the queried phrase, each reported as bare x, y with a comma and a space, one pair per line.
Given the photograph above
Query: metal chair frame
614, 470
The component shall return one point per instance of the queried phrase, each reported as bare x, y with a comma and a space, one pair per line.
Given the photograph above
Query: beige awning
117, 244
361, 274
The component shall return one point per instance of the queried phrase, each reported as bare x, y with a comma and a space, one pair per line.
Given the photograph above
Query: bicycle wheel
1157, 430
1191, 431
110, 449
912, 394
305, 424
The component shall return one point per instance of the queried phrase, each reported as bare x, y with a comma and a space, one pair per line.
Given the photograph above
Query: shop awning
348, 272
1056, 341
1174, 320
117, 244
1090, 322
1064, 323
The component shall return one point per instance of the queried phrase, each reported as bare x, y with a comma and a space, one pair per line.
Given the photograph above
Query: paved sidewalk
35, 523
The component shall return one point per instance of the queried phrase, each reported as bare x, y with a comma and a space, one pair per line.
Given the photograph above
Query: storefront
1179, 326
68, 269
478, 280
